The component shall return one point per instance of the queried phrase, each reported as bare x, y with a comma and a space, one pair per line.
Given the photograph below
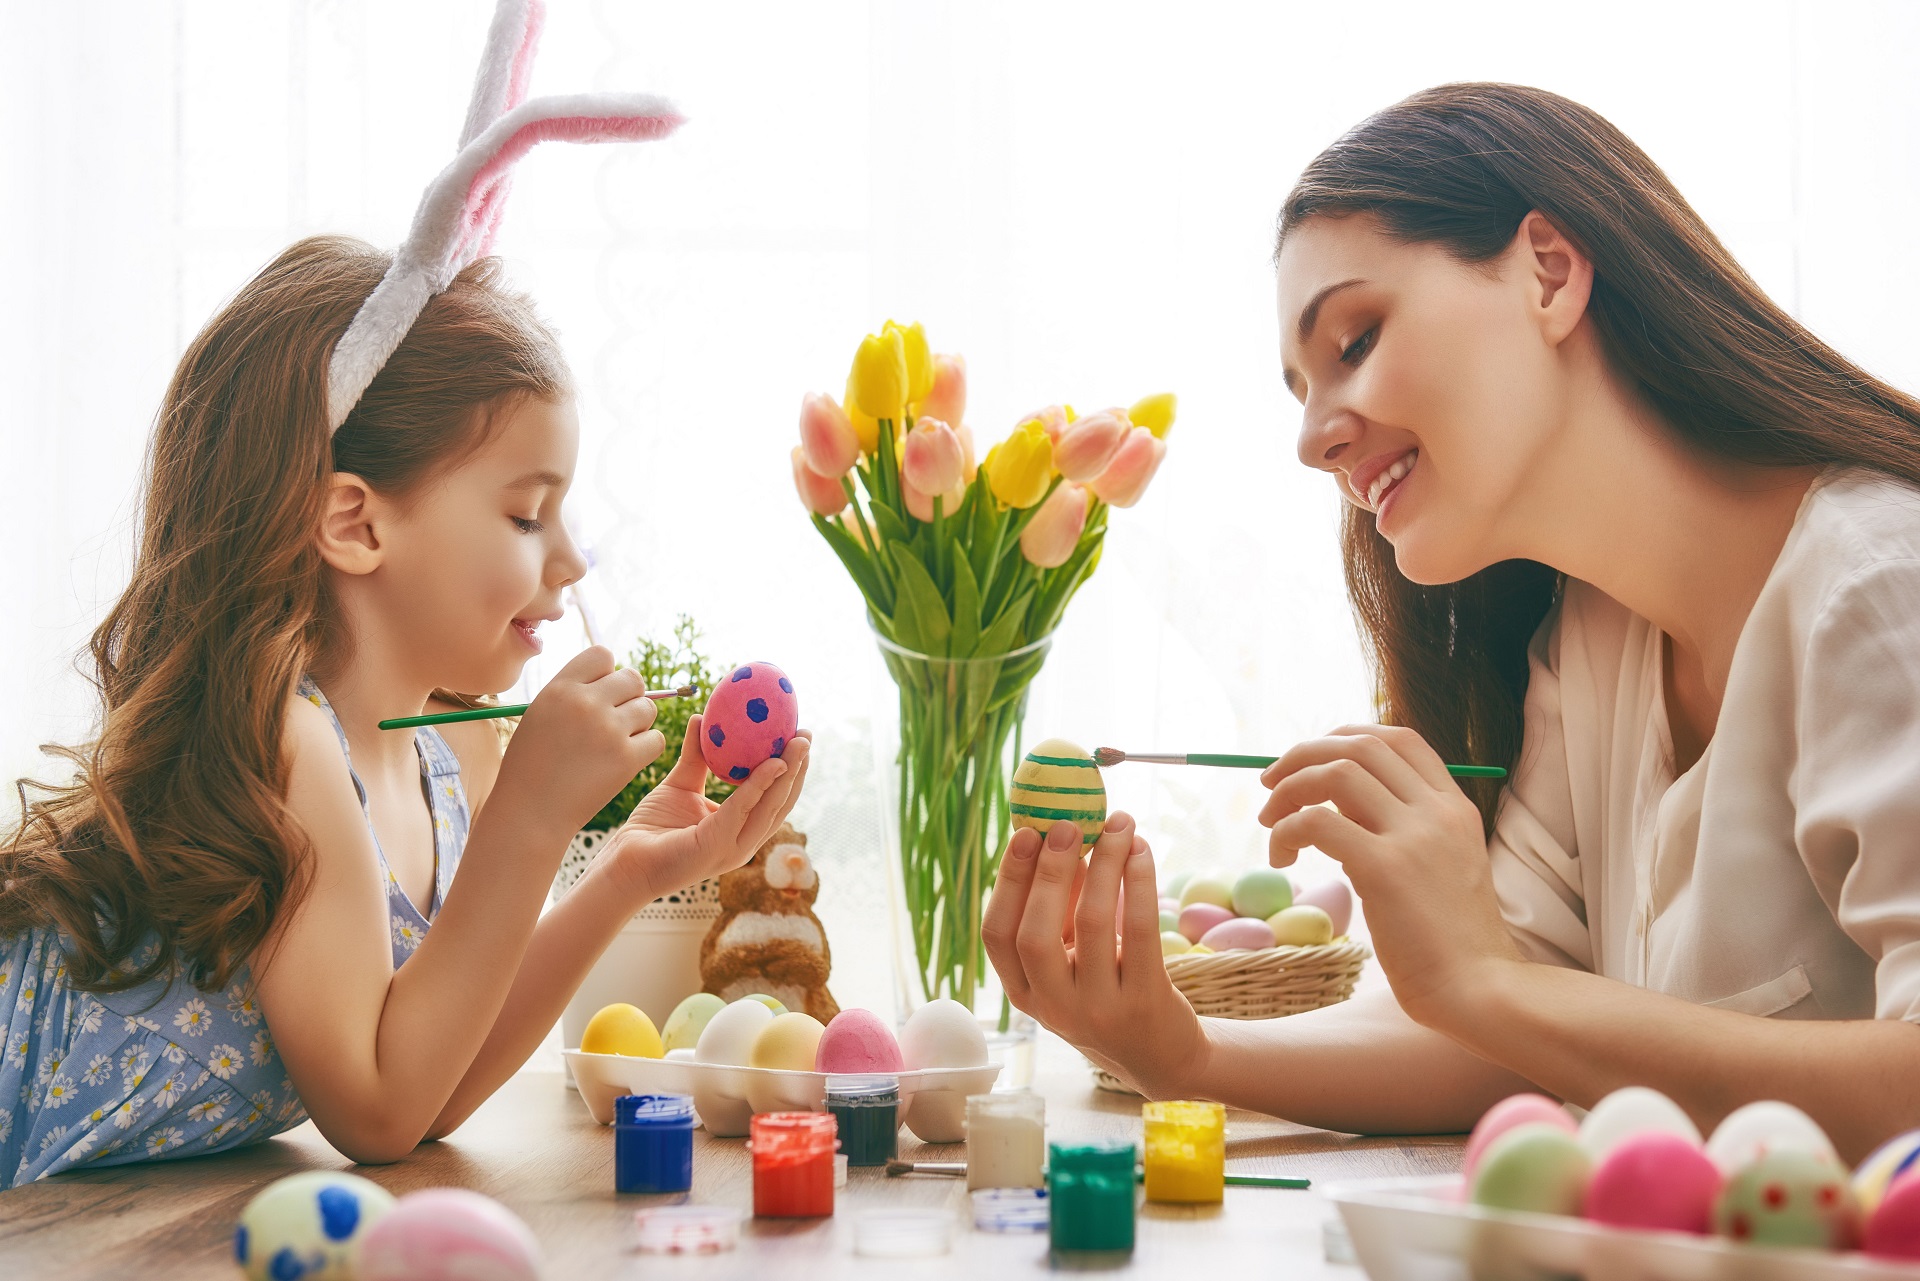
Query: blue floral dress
165, 1069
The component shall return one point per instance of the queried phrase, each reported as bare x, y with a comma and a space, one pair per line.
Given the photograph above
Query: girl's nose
568, 564
1325, 435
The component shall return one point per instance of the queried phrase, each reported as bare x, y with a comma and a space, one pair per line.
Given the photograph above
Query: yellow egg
1198, 949
765, 1000
622, 1029
1058, 781
1301, 927
790, 1042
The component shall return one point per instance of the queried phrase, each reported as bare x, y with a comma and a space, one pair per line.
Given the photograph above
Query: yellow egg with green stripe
1059, 781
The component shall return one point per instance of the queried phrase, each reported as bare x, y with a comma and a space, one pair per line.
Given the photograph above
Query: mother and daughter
1615, 521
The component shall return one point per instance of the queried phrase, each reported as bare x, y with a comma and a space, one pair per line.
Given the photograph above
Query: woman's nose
1326, 435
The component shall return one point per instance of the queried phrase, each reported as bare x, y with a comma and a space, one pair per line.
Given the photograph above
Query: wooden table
534, 1147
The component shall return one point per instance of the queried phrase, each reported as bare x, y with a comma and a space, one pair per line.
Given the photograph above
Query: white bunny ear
506, 65
457, 217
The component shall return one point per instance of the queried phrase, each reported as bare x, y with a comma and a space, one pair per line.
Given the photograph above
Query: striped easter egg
1059, 781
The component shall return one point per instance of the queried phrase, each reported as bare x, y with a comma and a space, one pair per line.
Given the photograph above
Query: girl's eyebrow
537, 480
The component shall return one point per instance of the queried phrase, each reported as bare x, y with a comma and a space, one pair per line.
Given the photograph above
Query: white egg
942, 1034
1630, 1111
1764, 1127
730, 1034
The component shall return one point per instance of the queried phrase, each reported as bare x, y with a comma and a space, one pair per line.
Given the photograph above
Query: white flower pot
654, 962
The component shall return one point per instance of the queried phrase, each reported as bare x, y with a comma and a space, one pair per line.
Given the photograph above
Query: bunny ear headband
461, 208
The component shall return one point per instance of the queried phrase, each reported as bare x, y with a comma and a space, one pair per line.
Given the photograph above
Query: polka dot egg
749, 719
1789, 1197
308, 1227
1059, 781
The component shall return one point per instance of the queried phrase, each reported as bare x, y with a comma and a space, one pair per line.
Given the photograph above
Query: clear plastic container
687, 1229
1010, 1210
1006, 1140
902, 1233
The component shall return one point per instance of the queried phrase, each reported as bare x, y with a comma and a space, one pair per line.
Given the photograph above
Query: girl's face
1431, 391
477, 560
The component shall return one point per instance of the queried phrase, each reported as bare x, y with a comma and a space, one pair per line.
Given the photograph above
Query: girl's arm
675, 837
375, 1054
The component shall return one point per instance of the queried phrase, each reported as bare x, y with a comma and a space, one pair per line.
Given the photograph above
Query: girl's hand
677, 836
1412, 844
1050, 935
583, 738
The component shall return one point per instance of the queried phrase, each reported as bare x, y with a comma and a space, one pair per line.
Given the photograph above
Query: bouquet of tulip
966, 571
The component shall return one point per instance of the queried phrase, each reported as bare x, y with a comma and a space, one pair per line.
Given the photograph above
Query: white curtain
1078, 197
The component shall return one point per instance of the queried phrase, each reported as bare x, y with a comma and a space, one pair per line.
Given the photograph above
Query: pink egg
1515, 1109
857, 1041
1332, 897
1170, 905
1655, 1180
1197, 918
449, 1234
1893, 1230
749, 719
1242, 933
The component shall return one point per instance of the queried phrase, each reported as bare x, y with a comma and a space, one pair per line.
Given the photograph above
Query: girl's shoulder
475, 749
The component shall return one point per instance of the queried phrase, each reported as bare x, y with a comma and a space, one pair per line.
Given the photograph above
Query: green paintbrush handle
1261, 762
448, 718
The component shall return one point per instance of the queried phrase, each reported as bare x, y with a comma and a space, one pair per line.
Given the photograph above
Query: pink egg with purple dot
1656, 1181
449, 1234
749, 719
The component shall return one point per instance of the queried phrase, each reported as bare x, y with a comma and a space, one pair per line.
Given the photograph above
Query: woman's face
1431, 391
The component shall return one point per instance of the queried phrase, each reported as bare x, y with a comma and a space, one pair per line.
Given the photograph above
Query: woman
1620, 524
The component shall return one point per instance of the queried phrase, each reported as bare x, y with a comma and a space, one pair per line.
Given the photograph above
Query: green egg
1176, 886
1207, 889
1262, 892
1534, 1167
689, 1020
1169, 921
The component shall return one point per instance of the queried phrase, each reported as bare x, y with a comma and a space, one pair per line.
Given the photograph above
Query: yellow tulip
865, 429
1020, 468
1155, 413
913, 342
879, 380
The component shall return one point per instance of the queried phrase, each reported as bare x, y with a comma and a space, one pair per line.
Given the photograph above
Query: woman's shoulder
1854, 519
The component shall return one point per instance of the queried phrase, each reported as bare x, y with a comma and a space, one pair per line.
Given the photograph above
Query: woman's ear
1558, 276
352, 524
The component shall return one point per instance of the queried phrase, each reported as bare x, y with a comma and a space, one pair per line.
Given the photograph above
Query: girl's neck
366, 691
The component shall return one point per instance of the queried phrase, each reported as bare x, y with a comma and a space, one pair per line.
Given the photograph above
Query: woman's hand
1412, 844
677, 836
583, 738
1050, 931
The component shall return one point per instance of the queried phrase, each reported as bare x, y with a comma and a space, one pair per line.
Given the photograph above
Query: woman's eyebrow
1310, 314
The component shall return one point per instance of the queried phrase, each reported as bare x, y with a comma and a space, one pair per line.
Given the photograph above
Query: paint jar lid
785, 1136
862, 1090
1010, 1209
687, 1229
674, 1111
902, 1233
1107, 1156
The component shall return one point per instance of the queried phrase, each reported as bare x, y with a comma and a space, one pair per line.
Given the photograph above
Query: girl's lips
526, 630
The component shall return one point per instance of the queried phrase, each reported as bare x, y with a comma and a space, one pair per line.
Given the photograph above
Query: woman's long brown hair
1683, 326
174, 827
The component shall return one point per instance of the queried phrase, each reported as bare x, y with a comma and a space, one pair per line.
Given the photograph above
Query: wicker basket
1262, 985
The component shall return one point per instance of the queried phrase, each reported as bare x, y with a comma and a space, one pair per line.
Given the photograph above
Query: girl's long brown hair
1681, 323
174, 827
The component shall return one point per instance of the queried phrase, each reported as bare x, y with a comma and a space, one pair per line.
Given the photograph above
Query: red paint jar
793, 1164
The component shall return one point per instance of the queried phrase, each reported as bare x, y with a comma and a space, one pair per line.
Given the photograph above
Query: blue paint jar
652, 1143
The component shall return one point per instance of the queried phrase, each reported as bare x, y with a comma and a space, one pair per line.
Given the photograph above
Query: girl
1619, 523
243, 910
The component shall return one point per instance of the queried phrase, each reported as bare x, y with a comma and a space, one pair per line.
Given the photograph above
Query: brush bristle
1105, 757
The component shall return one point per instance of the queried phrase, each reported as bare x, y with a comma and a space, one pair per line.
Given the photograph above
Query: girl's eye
1357, 349
526, 526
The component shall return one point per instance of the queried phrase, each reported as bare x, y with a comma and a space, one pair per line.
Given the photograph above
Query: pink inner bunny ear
506, 64
523, 56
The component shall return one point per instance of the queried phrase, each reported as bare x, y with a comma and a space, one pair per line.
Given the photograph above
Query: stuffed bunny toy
766, 939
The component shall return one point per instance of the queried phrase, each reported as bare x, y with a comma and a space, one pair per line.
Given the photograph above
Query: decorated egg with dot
449, 1234
1536, 1167
1886, 1163
1056, 781
1767, 1126
1241, 934
308, 1227
1197, 918
1788, 1197
749, 718
1514, 1110
1630, 1111
1653, 1180
1893, 1225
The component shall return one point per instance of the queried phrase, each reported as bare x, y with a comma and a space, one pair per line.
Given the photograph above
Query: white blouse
1780, 875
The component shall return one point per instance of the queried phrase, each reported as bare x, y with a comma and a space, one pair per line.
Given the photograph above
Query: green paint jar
1090, 1191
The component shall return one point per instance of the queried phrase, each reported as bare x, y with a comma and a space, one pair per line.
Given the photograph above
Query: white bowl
933, 1101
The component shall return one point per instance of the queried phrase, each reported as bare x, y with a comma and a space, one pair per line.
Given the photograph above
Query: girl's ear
350, 526
1559, 277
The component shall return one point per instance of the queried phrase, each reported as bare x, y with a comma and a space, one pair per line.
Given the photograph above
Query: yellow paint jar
1186, 1152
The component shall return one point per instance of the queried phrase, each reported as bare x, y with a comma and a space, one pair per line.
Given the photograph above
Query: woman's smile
1379, 478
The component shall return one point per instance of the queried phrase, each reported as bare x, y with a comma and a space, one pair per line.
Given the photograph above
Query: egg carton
1419, 1229
933, 1101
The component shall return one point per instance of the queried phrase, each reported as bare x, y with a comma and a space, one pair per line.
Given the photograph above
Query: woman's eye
1357, 349
526, 526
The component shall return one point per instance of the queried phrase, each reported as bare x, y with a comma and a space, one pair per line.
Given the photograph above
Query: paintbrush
1108, 756
510, 709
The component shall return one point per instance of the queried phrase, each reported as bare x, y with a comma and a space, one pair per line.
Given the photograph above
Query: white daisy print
17, 1051
52, 1137
207, 1110
263, 1100
99, 1068
173, 1053
262, 1048
96, 1116
59, 1092
49, 1067
128, 1112
192, 1017
244, 1007
6, 976
27, 993
136, 1022
169, 1092
200, 1080
224, 1062
131, 1055
221, 1131
405, 933
165, 1140
83, 1145
6, 1125
134, 1076
91, 1012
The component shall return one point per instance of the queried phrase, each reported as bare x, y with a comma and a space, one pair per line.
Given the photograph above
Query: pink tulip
1126, 477
827, 437
920, 503
948, 399
1053, 419
931, 458
968, 464
1050, 537
821, 494
1085, 448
